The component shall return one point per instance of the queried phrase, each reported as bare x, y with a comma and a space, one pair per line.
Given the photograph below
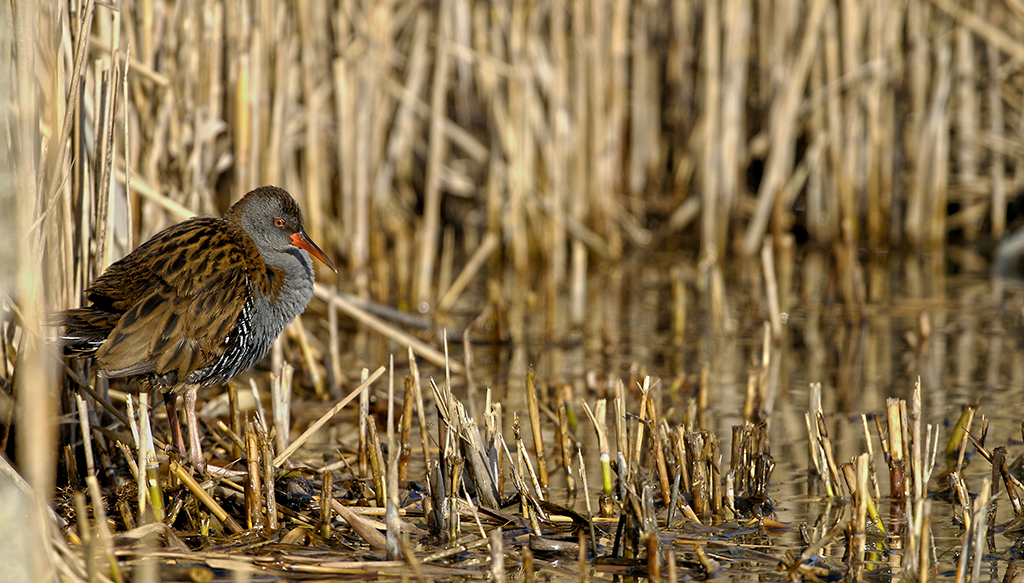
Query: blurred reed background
442, 146
502, 146
542, 136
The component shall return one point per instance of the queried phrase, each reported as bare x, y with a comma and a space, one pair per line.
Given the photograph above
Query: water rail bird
199, 302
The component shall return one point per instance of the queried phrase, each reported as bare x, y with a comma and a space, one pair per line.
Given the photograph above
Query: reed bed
457, 153
522, 141
475, 503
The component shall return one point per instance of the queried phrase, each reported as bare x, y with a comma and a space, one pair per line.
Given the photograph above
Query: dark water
942, 319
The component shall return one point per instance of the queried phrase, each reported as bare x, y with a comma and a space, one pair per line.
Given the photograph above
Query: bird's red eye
278, 222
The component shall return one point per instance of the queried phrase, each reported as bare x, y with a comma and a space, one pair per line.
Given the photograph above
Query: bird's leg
170, 402
195, 448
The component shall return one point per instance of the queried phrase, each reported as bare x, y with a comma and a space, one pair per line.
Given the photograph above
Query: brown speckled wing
181, 294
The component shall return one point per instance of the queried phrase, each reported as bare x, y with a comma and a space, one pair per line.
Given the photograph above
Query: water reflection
943, 319
866, 328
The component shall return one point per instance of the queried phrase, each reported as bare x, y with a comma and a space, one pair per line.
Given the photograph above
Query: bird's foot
198, 461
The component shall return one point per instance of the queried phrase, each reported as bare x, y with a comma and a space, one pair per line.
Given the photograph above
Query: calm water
944, 320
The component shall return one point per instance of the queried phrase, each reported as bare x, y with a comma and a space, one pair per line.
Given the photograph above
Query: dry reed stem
586, 500
432, 355
261, 416
310, 359
323, 525
411, 561
438, 147
363, 447
564, 448
181, 474
597, 418
267, 470
363, 527
149, 467
253, 480
922, 532
826, 446
783, 115
280, 404
83, 422
979, 26
980, 529
299, 441
896, 455
102, 536
314, 566
872, 470
538, 440
487, 247
772, 289
395, 529
421, 413
36, 401
377, 467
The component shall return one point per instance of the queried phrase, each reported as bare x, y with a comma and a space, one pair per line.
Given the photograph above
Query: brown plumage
199, 302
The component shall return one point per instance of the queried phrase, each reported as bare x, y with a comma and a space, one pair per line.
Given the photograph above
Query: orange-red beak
302, 241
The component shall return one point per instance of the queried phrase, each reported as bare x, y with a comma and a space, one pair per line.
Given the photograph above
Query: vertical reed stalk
538, 440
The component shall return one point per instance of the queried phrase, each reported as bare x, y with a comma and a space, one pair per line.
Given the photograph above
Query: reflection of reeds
641, 532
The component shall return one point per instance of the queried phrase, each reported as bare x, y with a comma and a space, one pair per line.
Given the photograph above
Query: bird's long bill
302, 241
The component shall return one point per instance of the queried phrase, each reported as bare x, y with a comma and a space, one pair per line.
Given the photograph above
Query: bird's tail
85, 330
